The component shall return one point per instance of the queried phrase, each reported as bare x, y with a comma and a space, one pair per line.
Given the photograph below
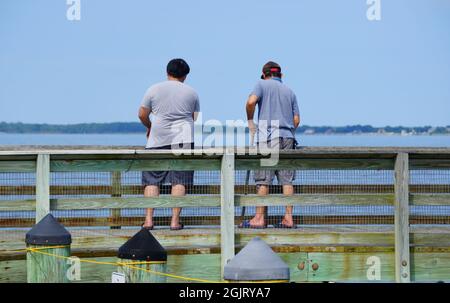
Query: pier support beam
402, 258
227, 209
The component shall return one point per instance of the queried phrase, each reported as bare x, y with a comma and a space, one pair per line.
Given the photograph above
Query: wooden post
43, 268
142, 259
227, 208
42, 186
116, 183
141, 272
402, 259
48, 244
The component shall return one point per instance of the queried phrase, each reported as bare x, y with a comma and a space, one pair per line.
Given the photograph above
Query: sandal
147, 227
179, 227
282, 225
246, 224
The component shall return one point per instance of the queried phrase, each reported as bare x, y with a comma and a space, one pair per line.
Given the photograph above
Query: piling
48, 247
256, 262
142, 259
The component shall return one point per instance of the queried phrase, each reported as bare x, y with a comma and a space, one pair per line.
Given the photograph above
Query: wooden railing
401, 195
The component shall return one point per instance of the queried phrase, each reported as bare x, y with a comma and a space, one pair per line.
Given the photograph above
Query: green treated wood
304, 164
42, 186
430, 267
18, 205
134, 165
401, 218
315, 199
142, 275
333, 266
214, 201
351, 267
116, 184
136, 202
429, 199
430, 163
227, 242
17, 166
43, 268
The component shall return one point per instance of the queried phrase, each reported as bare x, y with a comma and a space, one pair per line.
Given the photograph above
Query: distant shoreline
137, 128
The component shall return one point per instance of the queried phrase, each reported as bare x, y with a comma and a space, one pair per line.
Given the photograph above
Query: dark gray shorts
284, 177
171, 177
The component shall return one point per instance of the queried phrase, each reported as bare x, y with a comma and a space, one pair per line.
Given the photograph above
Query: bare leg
150, 191
258, 220
288, 190
177, 191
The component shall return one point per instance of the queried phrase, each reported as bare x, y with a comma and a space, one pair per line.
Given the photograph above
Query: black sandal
180, 227
147, 227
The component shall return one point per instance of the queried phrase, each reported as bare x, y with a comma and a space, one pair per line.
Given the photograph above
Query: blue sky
343, 68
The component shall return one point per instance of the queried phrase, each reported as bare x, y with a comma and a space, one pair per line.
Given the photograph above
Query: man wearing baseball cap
278, 117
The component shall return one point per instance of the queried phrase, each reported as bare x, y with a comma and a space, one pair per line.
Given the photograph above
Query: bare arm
296, 121
144, 116
250, 108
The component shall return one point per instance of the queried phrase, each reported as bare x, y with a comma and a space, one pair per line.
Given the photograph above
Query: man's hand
144, 116
252, 127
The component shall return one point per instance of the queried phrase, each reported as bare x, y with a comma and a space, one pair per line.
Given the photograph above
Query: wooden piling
48, 245
142, 259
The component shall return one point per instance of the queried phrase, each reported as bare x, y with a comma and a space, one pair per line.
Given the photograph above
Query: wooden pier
399, 245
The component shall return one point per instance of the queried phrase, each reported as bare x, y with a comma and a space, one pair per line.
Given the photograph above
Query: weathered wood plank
17, 166
339, 267
227, 242
304, 164
202, 201
116, 183
424, 189
429, 199
42, 186
315, 199
401, 217
351, 267
135, 202
17, 205
133, 165
430, 163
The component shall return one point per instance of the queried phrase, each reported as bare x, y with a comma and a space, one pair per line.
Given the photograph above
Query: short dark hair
178, 68
271, 69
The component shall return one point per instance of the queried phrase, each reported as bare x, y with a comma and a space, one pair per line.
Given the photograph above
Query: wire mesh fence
430, 182
94, 185
350, 182
88, 185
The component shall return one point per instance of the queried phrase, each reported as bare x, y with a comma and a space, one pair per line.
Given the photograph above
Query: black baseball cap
270, 68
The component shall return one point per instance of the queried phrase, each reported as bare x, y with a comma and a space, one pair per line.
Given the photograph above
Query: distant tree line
135, 127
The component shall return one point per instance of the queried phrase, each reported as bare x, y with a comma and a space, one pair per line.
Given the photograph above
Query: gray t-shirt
277, 103
172, 104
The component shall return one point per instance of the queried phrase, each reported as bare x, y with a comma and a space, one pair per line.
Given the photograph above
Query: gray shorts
284, 177
171, 177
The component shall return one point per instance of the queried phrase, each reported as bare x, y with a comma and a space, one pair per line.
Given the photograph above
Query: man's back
172, 104
277, 105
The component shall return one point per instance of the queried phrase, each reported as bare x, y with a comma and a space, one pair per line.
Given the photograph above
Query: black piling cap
142, 247
48, 231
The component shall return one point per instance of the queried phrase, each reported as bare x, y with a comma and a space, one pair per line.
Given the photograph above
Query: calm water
304, 140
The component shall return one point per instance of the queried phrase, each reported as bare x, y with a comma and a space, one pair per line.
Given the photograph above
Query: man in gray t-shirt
278, 117
173, 106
